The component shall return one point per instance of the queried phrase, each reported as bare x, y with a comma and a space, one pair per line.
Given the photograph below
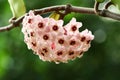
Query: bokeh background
101, 62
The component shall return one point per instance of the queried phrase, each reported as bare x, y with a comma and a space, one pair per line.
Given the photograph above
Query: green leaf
100, 1
17, 7
116, 2
55, 15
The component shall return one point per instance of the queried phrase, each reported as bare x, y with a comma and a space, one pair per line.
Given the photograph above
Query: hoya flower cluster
52, 41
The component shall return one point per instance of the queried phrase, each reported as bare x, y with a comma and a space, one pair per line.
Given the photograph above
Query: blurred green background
101, 62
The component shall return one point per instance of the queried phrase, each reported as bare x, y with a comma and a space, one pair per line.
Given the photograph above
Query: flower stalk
84, 10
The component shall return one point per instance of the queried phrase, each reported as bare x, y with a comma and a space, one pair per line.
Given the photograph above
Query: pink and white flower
52, 41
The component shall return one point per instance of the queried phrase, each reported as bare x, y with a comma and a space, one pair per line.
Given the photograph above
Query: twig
104, 13
12, 25
96, 7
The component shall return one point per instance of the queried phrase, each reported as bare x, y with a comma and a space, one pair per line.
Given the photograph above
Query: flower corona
52, 41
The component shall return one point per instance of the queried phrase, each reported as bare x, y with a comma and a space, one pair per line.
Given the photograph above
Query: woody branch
68, 9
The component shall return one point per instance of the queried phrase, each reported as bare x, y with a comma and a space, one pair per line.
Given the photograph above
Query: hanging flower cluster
52, 41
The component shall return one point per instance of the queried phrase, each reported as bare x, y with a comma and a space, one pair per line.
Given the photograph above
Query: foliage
17, 7
116, 2
100, 1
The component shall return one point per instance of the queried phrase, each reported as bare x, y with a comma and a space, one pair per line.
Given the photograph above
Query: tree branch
104, 13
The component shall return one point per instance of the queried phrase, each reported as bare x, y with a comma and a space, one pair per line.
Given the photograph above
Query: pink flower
44, 52
52, 41
59, 54
73, 26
